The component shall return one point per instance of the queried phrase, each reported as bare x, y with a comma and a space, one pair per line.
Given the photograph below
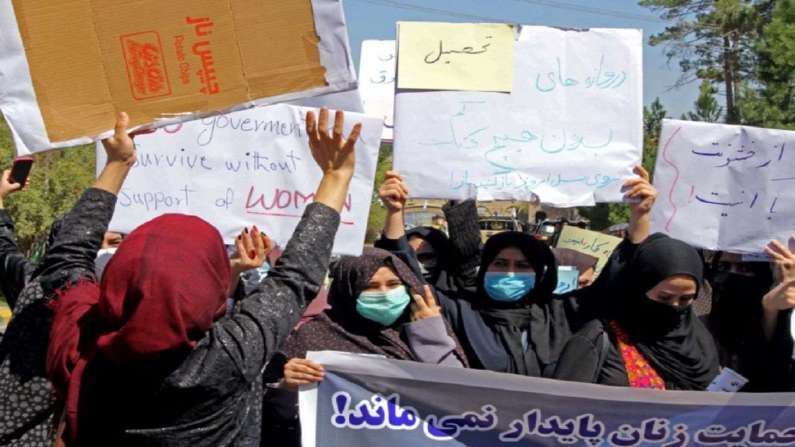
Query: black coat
212, 396
27, 405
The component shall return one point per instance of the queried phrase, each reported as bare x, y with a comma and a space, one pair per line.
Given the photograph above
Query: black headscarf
341, 328
437, 274
510, 320
350, 277
676, 343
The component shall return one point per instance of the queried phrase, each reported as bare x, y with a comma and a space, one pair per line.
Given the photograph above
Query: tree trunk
728, 79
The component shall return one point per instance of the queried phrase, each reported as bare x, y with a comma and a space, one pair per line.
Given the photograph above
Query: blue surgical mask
383, 307
508, 287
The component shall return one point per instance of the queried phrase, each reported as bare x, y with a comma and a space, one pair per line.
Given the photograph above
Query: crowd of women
160, 342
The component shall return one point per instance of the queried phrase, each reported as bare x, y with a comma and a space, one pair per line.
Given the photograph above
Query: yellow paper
598, 245
455, 56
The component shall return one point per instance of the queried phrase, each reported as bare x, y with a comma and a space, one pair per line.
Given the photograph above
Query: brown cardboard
89, 59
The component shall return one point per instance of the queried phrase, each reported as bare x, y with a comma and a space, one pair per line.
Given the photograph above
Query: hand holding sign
120, 151
120, 147
393, 192
7, 186
640, 192
299, 372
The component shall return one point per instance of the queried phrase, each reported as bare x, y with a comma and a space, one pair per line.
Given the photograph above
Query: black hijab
676, 343
341, 328
511, 320
439, 273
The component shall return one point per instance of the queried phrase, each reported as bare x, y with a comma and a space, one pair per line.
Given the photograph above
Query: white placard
240, 169
570, 132
728, 381
725, 187
377, 81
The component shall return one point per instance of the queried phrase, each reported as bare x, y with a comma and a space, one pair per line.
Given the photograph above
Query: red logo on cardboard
146, 67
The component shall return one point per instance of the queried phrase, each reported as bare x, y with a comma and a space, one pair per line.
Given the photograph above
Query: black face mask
429, 265
736, 299
650, 318
728, 286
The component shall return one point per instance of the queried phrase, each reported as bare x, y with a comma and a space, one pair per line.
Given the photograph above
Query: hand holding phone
9, 183
20, 170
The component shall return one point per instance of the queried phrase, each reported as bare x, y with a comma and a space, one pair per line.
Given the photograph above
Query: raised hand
332, 152
425, 306
8, 187
393, 192
120, 147
783, 258
782, 297
640, 192
253, 249
299, 372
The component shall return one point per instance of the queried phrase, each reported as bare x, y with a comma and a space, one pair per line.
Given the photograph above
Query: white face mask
103, 257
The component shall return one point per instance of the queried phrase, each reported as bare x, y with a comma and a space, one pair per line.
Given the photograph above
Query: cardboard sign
591, 243
243, 168
725, 187
568, 134
377, 81
85, 60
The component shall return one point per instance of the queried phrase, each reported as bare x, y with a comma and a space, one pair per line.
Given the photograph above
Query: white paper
728, 381
349, 101
723, 187
240, 169
792, 331
20, 108
377, 81
568, 279
572, 140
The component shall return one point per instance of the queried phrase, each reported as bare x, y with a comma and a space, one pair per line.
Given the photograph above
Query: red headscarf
161, 292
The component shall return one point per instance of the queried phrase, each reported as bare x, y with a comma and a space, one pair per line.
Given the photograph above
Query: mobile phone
21, 169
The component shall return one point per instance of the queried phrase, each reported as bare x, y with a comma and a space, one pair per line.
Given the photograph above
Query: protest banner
591, 243
377, 81
371, 401
725, 187
240, 169
569, 132
64, 76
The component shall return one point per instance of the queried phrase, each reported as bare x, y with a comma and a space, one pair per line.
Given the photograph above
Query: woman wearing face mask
433, 249
652, 338
447, 263
373, 311
512, 322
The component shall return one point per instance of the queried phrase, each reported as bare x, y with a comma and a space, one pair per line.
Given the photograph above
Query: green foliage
770, 101
57, 180
707, 107
713, 41
375, 222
